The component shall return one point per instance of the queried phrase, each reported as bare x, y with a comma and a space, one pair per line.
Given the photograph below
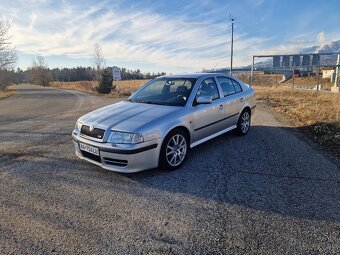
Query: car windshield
165, 91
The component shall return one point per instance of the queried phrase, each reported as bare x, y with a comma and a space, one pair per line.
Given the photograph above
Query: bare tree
7, 54
98, 60
39, 72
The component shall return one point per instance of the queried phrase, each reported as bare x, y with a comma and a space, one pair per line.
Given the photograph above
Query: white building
328, 73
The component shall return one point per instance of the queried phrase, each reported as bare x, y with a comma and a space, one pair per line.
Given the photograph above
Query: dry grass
125, 88
7, 92
273, 80
310, 82
260, 79
316, 113
83, 86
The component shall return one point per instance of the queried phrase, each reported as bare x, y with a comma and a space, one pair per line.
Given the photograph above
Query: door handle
221, 107
241, 99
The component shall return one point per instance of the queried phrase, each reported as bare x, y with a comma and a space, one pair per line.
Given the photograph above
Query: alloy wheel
245, 122
176, 150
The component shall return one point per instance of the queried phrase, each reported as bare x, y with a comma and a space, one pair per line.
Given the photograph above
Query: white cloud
141, 36
33, 19
171, 43
255, 3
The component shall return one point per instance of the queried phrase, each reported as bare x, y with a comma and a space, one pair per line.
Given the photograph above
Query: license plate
89, 149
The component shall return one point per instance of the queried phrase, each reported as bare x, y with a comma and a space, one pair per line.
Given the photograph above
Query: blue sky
174, 36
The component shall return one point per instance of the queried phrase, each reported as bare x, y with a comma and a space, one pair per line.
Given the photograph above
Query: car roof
193, 75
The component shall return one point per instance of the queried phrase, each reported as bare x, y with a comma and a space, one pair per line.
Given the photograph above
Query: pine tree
105, 82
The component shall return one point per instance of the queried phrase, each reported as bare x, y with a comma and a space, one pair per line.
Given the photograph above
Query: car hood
126, 116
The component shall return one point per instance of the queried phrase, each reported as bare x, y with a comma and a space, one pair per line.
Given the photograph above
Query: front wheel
174, 150
243, 123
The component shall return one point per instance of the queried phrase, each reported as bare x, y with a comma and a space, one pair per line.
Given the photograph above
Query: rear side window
226, 85
237, 86
229, 86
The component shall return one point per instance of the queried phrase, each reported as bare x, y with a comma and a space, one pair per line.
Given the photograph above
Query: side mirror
203, 100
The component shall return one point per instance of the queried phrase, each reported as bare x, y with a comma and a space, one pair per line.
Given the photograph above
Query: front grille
95, 133
91, 156
115, 162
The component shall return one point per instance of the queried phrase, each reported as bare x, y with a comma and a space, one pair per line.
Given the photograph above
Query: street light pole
232, 19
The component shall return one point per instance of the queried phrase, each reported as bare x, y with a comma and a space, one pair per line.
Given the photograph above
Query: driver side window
208, 88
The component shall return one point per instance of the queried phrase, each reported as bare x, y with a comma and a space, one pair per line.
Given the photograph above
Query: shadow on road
285, 177
258, 171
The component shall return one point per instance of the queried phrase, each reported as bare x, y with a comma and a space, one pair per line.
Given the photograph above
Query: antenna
214, 67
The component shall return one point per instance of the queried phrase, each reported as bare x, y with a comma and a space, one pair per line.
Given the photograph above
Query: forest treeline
71, 74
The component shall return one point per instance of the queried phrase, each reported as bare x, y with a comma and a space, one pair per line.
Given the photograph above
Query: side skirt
212, 136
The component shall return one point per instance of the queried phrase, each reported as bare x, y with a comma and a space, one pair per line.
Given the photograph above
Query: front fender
161, 127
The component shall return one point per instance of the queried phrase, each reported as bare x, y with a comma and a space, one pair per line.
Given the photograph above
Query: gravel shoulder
270, 192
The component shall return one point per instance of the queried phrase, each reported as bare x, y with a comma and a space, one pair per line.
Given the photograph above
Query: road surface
269, 192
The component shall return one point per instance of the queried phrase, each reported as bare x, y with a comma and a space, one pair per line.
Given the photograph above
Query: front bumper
124, 158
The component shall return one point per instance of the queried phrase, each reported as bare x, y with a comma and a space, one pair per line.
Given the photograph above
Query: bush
105, 82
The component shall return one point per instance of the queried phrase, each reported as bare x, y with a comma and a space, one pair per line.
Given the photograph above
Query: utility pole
252, 72
232, 19
337, 71
318, 82
336, 87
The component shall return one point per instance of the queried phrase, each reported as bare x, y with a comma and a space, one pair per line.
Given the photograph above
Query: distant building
328, 73
296, 61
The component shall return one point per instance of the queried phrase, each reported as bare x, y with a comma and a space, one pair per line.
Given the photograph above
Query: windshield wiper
151, 102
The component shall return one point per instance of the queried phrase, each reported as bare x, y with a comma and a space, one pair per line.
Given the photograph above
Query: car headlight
78, 126
125, 137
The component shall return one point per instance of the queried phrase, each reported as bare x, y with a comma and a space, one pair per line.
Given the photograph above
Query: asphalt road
269, 192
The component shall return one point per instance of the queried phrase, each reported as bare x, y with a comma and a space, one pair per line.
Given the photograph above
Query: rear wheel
243, 123
174, 150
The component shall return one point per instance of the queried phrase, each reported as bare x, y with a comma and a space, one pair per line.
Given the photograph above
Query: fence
297, 70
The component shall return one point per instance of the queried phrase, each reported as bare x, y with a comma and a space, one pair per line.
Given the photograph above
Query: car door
208, 117
232, 99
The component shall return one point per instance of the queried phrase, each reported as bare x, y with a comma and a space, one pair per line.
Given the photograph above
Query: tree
7, 53
99, 60
39, 72
105, 83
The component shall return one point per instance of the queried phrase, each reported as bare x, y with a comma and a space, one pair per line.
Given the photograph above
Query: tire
243, 123
174, 150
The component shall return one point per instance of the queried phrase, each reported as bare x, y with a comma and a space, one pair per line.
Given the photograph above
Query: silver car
162, 120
